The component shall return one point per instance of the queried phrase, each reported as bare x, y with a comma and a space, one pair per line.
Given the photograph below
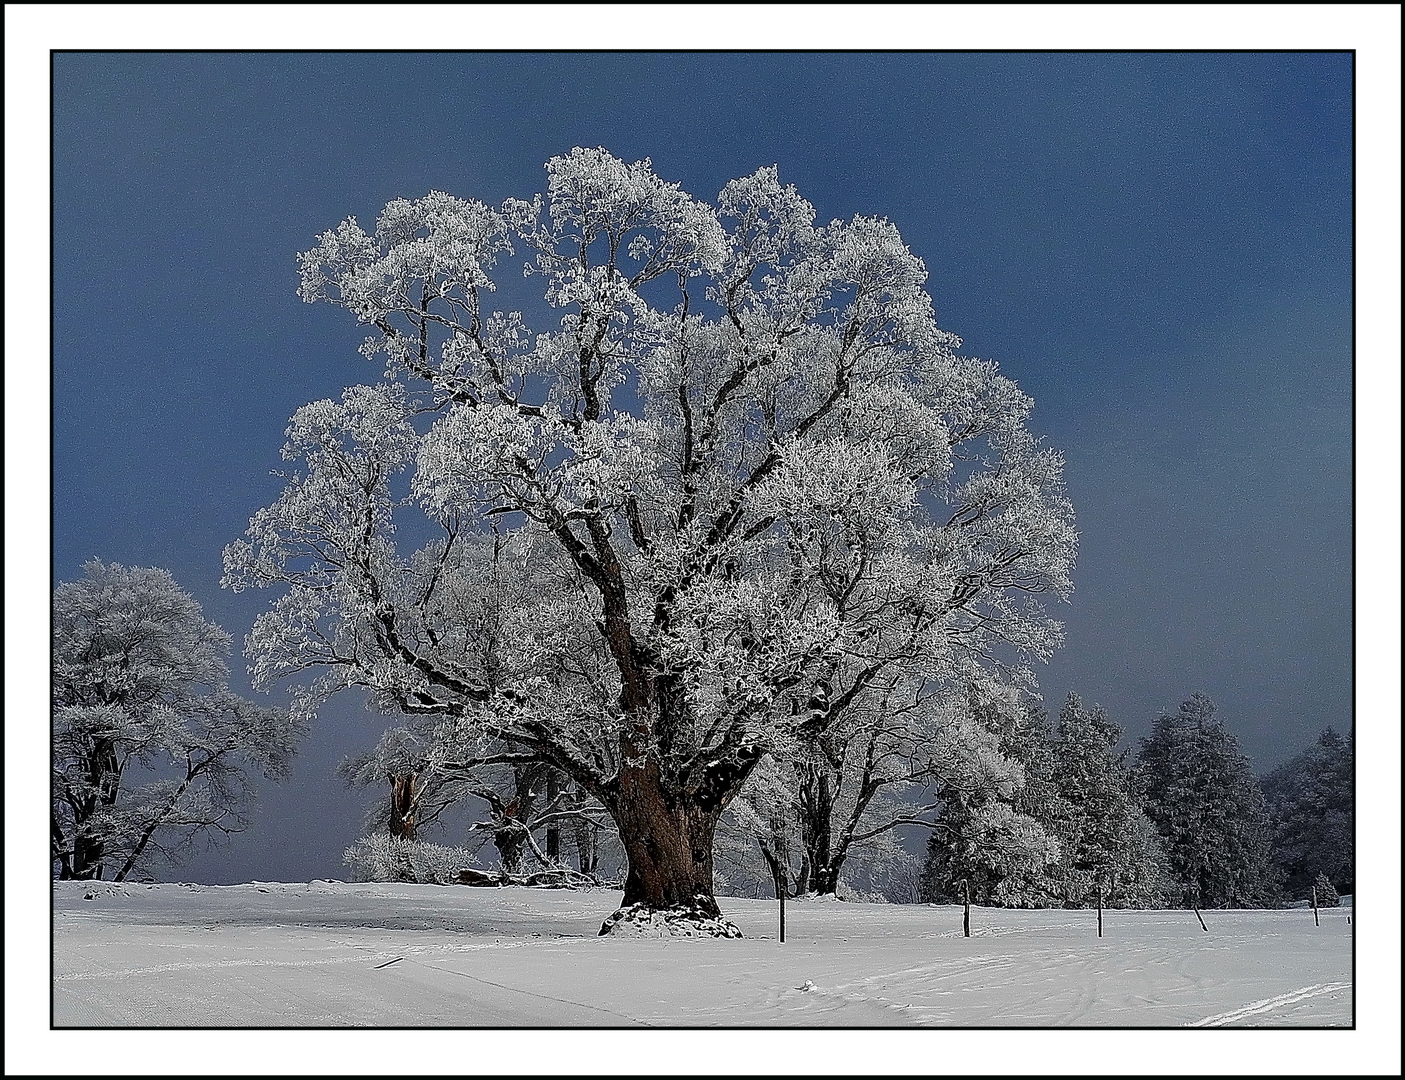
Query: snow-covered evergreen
1311, 803
994, 838
1325, 892
1109, 846
1068, 798
1208, 807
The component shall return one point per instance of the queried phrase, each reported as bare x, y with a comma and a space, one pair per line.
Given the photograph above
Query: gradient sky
1156, 247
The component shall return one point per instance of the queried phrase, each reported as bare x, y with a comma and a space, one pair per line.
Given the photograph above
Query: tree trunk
668, 839
824, 878
816, 833
104, 771
511, 843
802, 876
587, 850
777, 874
553, 832
402, 806
59, 847
87, 858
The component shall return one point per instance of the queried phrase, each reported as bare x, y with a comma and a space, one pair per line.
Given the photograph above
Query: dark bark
511, 817
553, 832
404, 816
60, 851
587, 844
668, 838
87, 858
817, 795
773, 863
104, 772
511, 842
824, 878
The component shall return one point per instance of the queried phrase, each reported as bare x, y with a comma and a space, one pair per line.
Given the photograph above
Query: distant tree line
1183, 823
1048, 813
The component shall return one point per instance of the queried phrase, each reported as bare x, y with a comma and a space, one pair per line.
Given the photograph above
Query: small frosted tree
904, 760
401, 760
744, 462
996, 811
140, 684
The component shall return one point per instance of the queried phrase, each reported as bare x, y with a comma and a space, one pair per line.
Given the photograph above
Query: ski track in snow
402, 953
540, 997
1269, 1004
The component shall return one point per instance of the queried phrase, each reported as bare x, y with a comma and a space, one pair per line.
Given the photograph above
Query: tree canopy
743, 490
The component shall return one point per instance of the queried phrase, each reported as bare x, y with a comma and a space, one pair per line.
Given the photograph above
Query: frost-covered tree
1109, 846
744, 463
837, 792
996, 811
899, 761
405, 760
140, 684
1325, 892
1311, 804
422, 762
1208, 807
525, 800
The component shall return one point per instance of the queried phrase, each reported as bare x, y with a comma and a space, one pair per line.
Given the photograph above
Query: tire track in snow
212, 965
361, 956
1267, 1004
530, 993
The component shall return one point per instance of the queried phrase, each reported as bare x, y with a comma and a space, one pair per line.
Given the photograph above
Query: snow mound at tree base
640, 920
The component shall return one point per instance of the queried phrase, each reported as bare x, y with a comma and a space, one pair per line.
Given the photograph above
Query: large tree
745, 463
140, 692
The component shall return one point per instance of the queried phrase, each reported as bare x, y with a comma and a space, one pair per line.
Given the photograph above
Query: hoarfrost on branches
745, 489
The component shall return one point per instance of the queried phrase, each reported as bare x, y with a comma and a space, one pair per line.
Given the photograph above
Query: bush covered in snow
382, 857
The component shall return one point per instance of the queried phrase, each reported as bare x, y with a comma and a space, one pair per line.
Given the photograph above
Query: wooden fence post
966, 914
1100, 912
1315, 920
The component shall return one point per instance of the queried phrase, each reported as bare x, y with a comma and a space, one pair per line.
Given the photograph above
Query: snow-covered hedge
382, 857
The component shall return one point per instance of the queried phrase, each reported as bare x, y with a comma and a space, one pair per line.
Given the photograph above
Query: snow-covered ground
334, 954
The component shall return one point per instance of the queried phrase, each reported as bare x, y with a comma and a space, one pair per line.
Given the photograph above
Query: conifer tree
996, 831
1325, 893
1208, 808
1109, 847
1311, 803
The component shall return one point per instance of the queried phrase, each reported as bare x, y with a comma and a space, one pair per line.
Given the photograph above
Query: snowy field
367, 955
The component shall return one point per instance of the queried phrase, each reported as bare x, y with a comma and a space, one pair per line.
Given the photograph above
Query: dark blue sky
1157, 247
